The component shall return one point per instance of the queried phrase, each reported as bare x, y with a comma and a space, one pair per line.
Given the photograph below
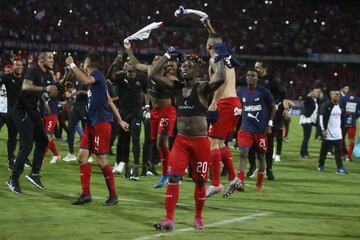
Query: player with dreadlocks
191, 147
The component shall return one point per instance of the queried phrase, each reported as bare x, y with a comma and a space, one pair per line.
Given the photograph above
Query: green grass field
299, 204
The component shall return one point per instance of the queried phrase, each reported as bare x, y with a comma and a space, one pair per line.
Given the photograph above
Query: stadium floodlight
323, 23
335, 74
339, 50
70, 11
157, 12
287, 22
205, 4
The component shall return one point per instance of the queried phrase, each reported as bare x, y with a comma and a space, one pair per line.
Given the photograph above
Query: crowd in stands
269, 27
276, 27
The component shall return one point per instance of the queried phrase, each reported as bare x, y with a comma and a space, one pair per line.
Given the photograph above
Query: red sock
85, 173
52, 147
351, 148
226, 158
260, 177
109, 179
241, 175
200, 196
215, 158
164, 156
171, 198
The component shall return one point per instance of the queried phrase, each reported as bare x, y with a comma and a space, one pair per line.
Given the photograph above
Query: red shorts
229, 113
351, 131
193, 152
97, 138
257, 140
50, 123
162, 121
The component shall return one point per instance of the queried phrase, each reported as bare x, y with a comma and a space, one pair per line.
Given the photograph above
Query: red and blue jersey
256, 108
350, 105
98, 107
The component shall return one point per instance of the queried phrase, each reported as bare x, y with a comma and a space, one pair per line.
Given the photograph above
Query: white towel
143, 33
183, 11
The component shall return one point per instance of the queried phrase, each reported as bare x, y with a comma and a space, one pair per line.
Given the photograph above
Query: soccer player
330, 123
350, 105
163, 113
226, 105
27, 118
96, 136
191, 147
50, 116
12, 83
257, 120
274, 85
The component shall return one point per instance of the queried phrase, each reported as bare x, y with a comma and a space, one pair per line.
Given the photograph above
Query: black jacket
309, 106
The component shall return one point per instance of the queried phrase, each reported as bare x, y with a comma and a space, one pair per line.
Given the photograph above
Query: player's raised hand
224, 53
69, 60
127, 45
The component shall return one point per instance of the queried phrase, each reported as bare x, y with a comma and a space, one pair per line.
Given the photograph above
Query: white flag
144, 33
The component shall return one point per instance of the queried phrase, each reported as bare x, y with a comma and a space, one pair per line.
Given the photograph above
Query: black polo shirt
30, 100
13, 86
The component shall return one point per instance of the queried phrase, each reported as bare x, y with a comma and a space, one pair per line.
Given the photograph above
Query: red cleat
166, 224
199, 225
259, 188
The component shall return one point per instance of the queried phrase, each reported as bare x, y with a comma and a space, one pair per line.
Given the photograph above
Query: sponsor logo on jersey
253, 108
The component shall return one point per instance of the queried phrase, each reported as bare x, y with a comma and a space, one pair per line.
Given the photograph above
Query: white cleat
214, 190
277, 158
119, 168
69, 158
54, 159
90, 160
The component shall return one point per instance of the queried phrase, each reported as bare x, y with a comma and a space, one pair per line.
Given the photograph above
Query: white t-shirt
3, 99
334, 124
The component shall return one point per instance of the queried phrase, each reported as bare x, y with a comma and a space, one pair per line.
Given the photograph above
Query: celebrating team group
204, 113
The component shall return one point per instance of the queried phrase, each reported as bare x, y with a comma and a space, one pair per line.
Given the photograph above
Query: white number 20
202, 167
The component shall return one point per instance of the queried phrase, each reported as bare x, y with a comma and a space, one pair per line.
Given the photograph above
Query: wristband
167, 55
270, 124
72, 65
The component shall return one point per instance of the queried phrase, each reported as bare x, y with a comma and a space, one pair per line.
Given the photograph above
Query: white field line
215, 224
178, 204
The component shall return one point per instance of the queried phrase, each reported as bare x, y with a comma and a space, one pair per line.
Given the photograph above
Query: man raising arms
227, 106
96, 136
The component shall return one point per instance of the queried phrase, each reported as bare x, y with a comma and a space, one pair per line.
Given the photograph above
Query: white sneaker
119, 167
115, 166
277, 158
69, 158
90, 160
55, 158
214, 189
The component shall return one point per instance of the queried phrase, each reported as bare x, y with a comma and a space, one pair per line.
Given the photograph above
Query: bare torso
226, 90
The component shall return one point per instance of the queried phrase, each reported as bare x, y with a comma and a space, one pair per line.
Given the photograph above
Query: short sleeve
268, 97
30, 74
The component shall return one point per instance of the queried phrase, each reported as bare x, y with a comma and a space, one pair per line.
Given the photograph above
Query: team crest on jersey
244, 99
